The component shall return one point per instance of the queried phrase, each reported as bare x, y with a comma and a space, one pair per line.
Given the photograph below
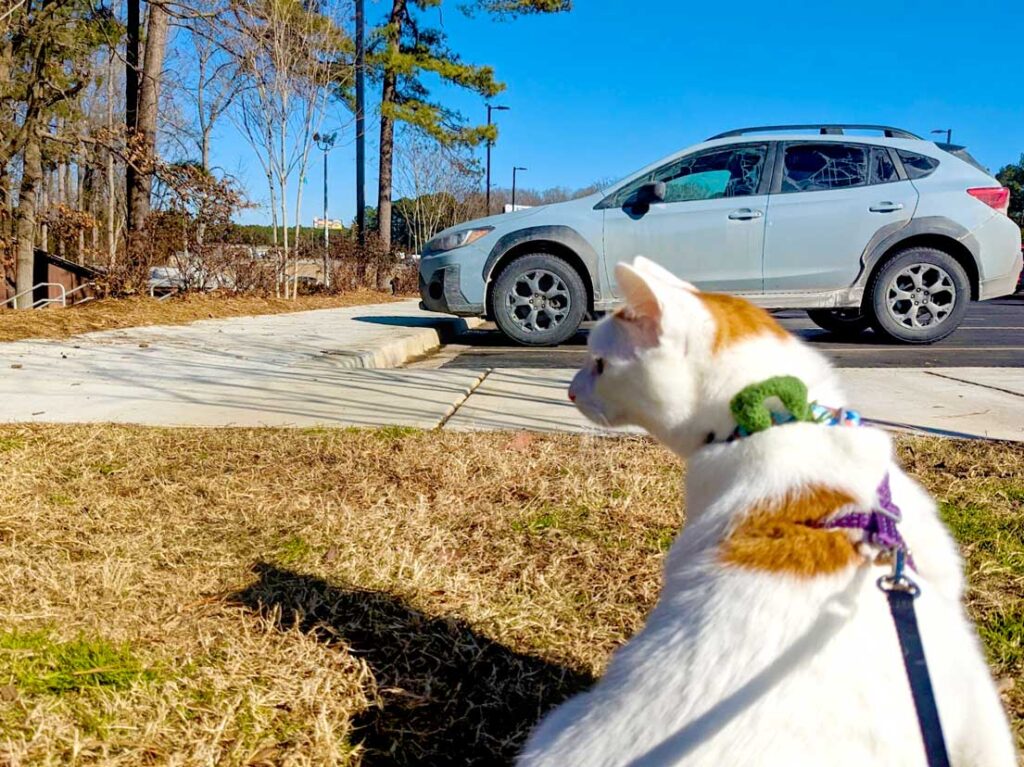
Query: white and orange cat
771, 643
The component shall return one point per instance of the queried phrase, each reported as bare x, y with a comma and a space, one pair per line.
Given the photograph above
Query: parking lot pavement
992, 335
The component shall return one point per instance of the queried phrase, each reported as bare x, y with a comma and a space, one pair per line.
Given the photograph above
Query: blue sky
616, 84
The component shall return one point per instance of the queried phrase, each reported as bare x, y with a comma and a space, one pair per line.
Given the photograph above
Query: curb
413, 343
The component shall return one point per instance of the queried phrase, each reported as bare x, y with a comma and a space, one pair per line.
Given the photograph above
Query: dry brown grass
115, 313
348, 596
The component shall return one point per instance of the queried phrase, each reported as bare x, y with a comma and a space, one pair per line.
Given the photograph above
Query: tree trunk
387, 126
25, 218
149, 105
62, 194
80, 206
111, 191
41, 204
131, 95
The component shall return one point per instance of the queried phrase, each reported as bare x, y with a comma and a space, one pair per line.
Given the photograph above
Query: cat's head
671, 359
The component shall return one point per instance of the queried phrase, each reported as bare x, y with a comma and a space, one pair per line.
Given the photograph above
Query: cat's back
752, 656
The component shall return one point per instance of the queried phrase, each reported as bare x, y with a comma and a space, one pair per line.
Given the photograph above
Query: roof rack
824, 129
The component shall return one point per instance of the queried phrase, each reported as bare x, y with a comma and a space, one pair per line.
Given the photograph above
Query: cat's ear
659, 272
640, 292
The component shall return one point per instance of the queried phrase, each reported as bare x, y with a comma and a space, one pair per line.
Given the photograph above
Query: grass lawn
115, 313
260, 596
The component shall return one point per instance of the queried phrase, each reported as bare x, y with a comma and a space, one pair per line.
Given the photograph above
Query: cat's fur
770, 643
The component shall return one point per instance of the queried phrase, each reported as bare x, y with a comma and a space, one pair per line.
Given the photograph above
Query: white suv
859, 225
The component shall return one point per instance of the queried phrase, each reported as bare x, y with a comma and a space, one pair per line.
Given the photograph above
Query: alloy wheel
921, 296
538, 301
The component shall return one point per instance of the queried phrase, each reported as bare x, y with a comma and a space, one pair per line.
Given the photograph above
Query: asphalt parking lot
992, 335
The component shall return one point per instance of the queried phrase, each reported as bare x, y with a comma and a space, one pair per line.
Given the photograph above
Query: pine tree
45, 51
408, 50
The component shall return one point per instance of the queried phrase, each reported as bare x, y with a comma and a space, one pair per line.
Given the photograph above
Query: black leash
901, 592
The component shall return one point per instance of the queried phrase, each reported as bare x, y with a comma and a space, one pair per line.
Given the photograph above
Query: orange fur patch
736, 319
778, 536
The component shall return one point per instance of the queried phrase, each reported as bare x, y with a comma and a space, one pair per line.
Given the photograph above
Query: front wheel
919, 296
539, 300
842, 322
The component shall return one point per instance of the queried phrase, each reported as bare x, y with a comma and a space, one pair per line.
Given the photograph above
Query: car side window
819, 167
882, 168
917, 165
732, 172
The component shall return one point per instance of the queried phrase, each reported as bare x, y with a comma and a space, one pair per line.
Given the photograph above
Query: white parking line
903, 349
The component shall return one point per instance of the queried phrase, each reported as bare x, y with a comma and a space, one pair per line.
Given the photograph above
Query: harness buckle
898, 580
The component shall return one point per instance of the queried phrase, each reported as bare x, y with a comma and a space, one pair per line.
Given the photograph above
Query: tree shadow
445, 694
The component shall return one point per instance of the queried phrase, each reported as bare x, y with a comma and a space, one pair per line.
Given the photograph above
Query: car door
828, 201
708, 229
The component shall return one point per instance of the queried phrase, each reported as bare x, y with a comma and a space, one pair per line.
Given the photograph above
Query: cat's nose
572, 395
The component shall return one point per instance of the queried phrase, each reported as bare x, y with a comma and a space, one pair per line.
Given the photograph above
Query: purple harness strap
879, 524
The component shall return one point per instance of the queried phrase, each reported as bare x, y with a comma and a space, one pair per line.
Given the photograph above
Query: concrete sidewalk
297, 369
956, 402
317, 368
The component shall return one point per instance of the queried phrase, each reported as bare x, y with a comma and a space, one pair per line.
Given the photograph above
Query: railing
62, 299
72, 292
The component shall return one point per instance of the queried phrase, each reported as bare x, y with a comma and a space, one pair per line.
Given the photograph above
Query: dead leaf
520, 442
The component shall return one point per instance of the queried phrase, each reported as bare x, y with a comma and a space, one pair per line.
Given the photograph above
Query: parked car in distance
871, 228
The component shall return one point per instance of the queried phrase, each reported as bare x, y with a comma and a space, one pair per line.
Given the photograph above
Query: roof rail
824, 129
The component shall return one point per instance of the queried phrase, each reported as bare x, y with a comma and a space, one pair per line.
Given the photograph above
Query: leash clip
898, 580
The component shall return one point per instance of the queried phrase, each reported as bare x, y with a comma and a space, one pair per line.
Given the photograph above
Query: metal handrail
72, 292
42, 301
63, 300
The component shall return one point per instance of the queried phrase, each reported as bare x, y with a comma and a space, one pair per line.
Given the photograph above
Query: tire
842, 322
539, 300
919, 296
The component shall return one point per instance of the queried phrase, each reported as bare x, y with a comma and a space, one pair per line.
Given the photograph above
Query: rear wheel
919, 296
539, 300
842, 322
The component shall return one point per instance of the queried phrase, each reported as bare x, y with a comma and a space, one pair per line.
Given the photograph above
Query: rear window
962, 154
917, 165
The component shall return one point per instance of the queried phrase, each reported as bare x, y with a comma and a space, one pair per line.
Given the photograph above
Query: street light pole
514, 169
490, 108
947, 131
324, 142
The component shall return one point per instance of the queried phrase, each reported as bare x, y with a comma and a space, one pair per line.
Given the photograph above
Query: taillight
997, 197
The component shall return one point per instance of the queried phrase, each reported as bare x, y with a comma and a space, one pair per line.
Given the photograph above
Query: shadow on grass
447, 695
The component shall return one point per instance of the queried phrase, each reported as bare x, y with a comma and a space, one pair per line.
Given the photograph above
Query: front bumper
441, 291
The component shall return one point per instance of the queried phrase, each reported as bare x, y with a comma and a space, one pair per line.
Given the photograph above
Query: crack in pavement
974, 383
459, 403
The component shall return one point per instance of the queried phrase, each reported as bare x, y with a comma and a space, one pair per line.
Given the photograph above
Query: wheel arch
952, 246
552, 247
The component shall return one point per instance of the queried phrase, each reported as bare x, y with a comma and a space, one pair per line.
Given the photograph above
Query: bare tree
212, 86
288, 57
436, 183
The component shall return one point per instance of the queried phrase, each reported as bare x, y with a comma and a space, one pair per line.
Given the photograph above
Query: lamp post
947, 131
515, 168
491, 108
324, 142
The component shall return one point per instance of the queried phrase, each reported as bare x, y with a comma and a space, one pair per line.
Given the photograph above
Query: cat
770, 643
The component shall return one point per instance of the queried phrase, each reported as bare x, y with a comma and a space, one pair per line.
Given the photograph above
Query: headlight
456, 239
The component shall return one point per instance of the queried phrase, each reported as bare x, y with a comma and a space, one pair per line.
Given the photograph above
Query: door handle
886, 207
745, 214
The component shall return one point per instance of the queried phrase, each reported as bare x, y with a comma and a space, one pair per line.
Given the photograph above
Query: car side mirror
648, 194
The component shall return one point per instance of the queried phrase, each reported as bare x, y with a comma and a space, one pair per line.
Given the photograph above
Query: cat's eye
598, 365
